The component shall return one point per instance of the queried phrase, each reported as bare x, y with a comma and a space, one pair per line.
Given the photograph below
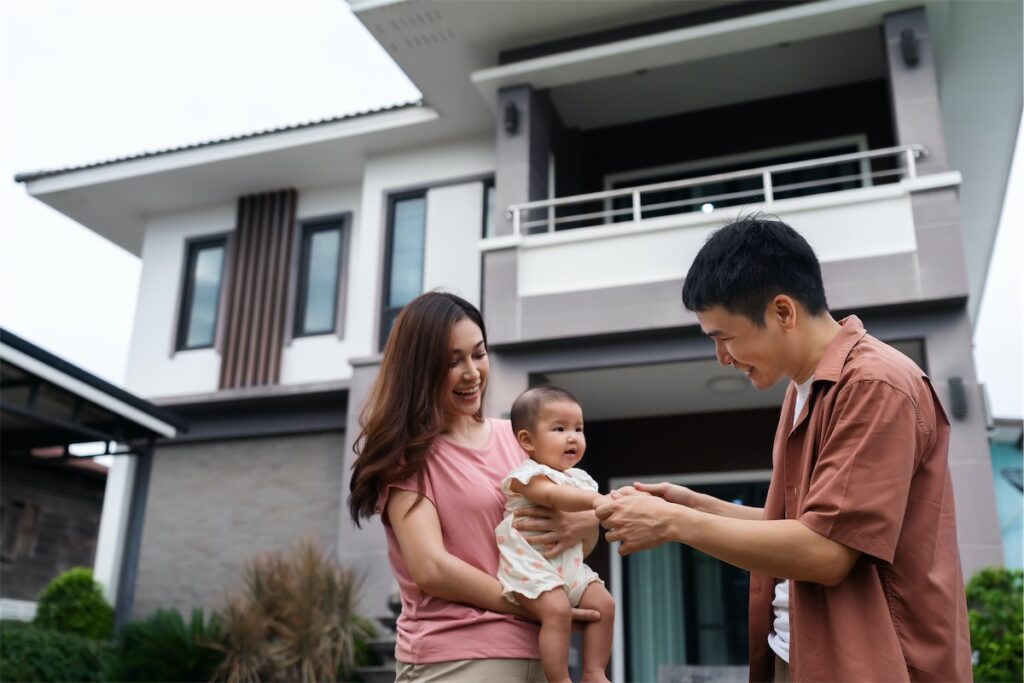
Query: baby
548, 423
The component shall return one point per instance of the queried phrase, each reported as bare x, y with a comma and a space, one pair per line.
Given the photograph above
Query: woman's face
467, 370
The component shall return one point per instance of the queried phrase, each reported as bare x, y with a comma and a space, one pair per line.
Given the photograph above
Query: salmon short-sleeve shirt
464, 486
866, 465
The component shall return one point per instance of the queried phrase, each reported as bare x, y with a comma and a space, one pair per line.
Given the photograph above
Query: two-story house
566, 163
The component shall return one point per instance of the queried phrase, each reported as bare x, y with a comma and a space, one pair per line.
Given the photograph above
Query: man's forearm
782, 548
715, 506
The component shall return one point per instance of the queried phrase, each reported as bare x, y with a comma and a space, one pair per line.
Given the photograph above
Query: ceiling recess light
707, 208
728, 384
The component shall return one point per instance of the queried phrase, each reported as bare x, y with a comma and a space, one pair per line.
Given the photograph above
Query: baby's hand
601, 500
628, 491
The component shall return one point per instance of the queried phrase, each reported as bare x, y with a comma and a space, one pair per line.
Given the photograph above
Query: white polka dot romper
521, 568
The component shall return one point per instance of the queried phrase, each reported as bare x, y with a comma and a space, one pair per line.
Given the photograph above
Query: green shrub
995, 607
73, 603
163, 648
31, 654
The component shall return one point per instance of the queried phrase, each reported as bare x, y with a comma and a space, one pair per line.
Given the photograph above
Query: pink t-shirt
464, 485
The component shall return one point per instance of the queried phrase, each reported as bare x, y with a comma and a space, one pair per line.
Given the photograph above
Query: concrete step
377, 674
384, 648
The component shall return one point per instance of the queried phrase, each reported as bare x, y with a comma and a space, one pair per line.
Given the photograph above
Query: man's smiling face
758, 351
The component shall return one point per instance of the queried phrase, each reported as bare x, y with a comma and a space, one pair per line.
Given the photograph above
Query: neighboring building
274, 263
1007, 469
53, 498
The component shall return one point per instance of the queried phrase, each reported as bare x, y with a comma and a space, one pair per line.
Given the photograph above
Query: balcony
614, 261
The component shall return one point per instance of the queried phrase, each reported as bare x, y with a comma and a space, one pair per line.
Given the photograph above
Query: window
403, 271
20, 523
683, 607
742, 191
321, 255
489, 223
204, 272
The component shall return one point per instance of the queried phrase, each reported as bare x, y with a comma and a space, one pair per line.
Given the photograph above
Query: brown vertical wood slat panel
279, 288
229, 358
246, 367
261, 320
256, 319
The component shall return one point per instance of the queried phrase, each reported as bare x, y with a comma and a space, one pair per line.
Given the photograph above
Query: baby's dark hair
526, 408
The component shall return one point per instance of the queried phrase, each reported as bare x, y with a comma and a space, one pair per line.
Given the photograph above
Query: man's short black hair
526, 408
743, 266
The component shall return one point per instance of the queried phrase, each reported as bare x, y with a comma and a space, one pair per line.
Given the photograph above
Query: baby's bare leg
597, 635
553, 611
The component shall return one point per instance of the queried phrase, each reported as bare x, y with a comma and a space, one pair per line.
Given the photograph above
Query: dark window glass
702, 604
489, 209
407, 226
319, 273
203, 274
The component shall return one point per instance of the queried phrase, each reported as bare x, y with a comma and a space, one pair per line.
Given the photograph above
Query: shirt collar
851, 331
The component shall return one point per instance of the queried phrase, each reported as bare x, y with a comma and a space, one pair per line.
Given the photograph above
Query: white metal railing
767, 191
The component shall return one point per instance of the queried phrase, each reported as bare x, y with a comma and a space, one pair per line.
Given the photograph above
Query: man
855, 571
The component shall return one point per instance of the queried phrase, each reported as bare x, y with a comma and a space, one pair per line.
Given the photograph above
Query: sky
87, 80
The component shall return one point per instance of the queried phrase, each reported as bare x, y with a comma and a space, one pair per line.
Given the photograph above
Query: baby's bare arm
543, 491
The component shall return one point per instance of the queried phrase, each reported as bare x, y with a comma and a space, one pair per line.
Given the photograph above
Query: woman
431, 464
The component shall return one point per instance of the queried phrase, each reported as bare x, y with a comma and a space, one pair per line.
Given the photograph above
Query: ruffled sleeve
583, 480
527, 471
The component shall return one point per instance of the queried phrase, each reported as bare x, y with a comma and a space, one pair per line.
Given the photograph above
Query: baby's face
557, 435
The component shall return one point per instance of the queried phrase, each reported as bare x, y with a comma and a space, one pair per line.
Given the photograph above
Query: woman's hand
556, 531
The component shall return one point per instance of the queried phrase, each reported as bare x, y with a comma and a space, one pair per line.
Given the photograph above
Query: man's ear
783, 310
525, 440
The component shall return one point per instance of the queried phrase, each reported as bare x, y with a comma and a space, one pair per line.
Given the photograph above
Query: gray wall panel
212, 506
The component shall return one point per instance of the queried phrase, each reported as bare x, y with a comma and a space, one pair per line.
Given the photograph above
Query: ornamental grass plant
293, 618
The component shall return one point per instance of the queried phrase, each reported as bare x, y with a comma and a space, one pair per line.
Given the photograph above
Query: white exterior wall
454, 227
417, 168
154, 368
452, 261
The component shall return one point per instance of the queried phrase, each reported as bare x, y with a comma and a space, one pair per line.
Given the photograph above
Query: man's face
757, 351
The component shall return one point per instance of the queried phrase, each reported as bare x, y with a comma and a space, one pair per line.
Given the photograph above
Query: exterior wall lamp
909, 47
510, 118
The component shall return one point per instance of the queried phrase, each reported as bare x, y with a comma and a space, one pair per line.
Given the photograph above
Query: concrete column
114, 526
363, 549
914, 87
521, 175
948, 350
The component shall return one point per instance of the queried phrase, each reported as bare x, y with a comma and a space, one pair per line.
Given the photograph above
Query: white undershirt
778, 639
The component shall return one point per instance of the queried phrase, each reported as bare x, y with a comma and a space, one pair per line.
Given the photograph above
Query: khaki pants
472, 671
781, 670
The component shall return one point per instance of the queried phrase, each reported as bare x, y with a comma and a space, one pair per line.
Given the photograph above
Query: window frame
385, 310
489, 185
306, 229
193, 246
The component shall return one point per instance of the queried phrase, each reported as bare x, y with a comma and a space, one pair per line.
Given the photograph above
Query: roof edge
30, 176
41, 355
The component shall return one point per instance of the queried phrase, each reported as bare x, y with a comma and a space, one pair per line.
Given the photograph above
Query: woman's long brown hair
403, 413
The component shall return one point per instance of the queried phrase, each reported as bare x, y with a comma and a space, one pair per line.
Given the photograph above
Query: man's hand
639, 522
673, 493
556, 531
